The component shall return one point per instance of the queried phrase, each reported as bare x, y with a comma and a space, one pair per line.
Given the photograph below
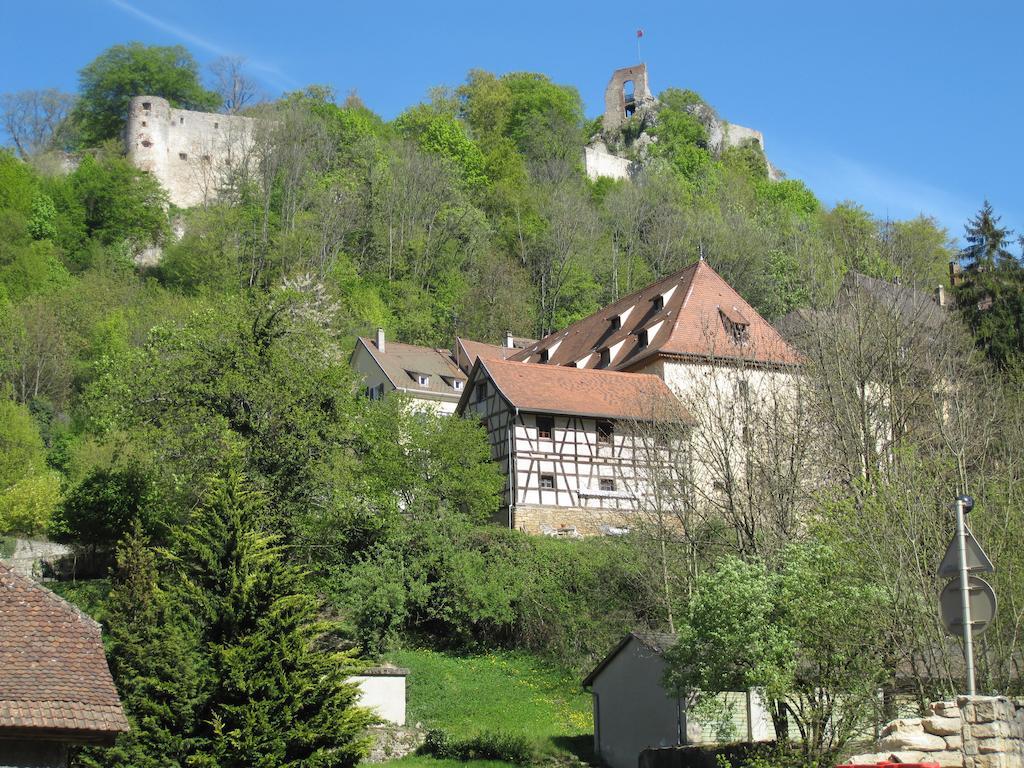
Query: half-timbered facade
578, 446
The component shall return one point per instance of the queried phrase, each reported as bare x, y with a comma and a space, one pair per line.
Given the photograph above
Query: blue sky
905, 106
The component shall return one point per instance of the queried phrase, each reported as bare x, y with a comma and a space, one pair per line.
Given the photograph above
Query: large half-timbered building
577, 446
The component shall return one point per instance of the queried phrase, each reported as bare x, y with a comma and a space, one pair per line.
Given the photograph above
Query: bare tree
236, 88
34, 119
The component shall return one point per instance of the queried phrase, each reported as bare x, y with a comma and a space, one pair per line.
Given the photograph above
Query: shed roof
682, 315
578, 391
54, 679
401, 362
656, 642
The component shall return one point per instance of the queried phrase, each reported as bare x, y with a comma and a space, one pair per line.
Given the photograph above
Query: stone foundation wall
971, 732
559, 521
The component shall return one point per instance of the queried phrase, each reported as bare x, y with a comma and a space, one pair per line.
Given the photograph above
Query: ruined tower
627, 90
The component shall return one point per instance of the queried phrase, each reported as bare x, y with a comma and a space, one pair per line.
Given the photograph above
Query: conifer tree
157, 661
219, 653
987, 242
278, 695
991, 296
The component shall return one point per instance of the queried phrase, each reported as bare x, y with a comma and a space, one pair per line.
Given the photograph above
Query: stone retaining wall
971, 732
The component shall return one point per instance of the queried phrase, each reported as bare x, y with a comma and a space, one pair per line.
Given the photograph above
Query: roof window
616, 323
606, 357
658, 302
422, 379
544, 355
641, 338
736, 324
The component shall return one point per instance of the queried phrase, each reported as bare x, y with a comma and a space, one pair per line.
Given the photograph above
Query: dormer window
544, 355
457, 384
606, 358
422, 379
641, 338
616, 323
736, 325
658, 302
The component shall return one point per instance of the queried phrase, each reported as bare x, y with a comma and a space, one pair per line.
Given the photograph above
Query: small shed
634, 712
382, 689
55, 686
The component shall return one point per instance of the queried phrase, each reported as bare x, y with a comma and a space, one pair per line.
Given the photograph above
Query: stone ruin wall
971, 732
188, 152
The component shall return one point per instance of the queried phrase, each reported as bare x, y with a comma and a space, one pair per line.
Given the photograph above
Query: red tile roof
467, 351
683, 315
579, 391
54, 679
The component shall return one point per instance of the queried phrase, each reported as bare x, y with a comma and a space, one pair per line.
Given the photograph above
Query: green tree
987, 242
990, 296
279, 693
110, 81
256, 383
158, 663
104, 506
807, 635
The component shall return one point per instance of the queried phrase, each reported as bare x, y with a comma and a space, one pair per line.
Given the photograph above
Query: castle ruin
628, 96
188, 152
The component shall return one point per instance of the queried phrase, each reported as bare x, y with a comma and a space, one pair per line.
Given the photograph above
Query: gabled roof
467, 351
687, 314
656, 642
54, 679
401, 362
577, 391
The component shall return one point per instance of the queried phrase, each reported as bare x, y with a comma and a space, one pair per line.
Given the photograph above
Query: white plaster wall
384, 694
631, 709
157, 138
600, 164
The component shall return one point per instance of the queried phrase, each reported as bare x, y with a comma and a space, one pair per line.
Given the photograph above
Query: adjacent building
428, 376
55, 686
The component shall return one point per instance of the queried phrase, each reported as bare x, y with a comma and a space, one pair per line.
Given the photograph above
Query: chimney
940, 295
380, 339
508, 340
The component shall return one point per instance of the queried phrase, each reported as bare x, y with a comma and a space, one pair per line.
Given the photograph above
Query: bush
488, 745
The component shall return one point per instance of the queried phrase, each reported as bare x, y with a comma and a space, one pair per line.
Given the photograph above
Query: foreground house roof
54, 679
402, 364
576, 391
693, 314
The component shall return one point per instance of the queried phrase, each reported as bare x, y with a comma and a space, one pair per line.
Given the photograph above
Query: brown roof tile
400, 362
682, 315
579, 391
53, 672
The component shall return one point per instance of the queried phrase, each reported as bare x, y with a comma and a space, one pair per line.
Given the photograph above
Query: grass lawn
515, 693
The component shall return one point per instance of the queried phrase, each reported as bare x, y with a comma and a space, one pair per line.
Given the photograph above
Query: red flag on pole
639, 33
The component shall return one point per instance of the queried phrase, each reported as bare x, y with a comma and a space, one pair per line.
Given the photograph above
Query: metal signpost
967, 603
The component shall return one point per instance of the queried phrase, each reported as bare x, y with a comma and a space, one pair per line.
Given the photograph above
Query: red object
639, 33
888, 764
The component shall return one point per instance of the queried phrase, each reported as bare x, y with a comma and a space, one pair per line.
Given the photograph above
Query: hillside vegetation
195, 429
